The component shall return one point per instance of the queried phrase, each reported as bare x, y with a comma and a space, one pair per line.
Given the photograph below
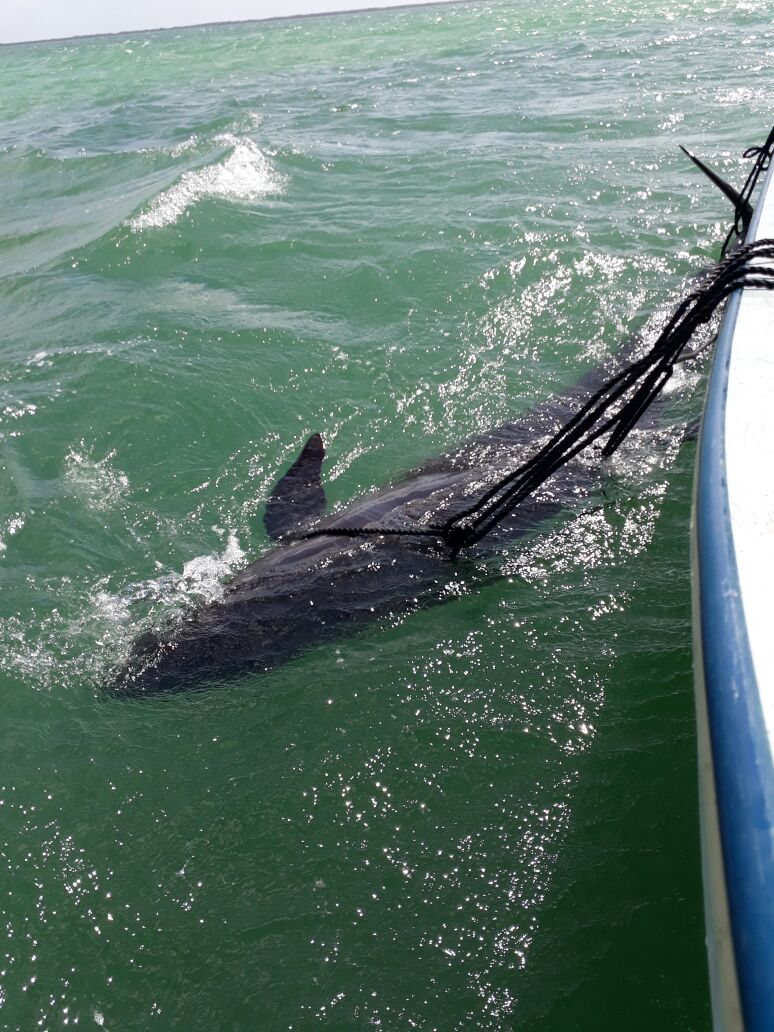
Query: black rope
641, 381
619, 404
762, 157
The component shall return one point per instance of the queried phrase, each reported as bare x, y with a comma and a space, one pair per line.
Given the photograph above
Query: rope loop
762, 161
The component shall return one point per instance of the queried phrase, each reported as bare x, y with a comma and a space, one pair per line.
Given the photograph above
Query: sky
22, 20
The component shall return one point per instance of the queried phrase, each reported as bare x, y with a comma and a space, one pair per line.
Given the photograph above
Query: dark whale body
302, 592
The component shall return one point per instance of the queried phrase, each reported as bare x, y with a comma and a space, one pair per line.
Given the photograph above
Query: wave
245, 175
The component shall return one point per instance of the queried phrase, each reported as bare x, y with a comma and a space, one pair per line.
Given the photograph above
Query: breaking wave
245, 175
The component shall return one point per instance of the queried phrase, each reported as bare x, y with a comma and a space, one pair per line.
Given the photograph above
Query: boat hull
733, 606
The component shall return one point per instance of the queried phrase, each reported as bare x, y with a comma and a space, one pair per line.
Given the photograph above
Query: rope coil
618, 405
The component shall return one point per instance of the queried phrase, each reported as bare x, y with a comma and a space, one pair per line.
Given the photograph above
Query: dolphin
305, 590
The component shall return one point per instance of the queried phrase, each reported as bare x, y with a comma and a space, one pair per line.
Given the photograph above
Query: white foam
110, 620
201, 580
245, 175
96, 482
203, 576
12, 525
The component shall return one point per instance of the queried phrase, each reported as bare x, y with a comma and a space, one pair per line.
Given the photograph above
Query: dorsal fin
743, 207
299, 495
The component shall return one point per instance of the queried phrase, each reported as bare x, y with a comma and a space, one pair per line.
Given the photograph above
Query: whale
305, 589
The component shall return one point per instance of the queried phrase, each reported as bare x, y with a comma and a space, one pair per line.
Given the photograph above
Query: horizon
95, 22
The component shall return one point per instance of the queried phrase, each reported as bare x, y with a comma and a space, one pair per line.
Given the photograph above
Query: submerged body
306, 590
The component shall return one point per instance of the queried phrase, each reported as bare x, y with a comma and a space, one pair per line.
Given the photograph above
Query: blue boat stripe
742, 759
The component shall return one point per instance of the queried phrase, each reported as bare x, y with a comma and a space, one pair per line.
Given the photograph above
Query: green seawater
398, 228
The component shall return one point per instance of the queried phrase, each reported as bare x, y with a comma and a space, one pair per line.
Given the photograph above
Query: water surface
397, 228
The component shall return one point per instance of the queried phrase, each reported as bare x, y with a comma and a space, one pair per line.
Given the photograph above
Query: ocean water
398, 228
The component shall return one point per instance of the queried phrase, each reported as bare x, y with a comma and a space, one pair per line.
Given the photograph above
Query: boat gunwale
740, 748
